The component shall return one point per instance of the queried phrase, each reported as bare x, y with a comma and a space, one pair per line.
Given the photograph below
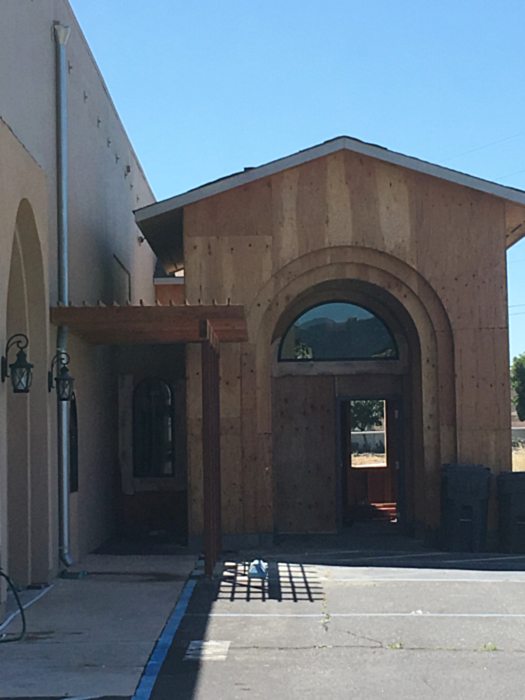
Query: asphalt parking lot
353, 623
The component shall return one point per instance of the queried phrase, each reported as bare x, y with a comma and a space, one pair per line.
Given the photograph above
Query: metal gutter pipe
61, 37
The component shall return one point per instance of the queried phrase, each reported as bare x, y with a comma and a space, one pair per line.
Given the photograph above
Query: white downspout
61, 36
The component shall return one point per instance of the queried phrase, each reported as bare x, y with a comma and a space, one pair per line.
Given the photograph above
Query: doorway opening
356, 344
370, 439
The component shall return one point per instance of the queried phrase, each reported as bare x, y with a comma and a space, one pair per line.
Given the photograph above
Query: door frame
399, 433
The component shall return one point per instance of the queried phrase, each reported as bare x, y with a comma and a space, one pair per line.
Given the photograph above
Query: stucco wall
105, 185
24, 301
102, 195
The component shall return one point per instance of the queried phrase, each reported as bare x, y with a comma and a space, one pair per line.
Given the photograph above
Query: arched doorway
29, 526
336, 345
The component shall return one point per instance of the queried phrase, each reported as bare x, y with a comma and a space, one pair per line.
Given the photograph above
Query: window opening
73, 445
153, 435
337, 331
368, 441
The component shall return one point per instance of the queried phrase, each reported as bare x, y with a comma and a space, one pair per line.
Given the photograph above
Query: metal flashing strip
151, 672
168, 280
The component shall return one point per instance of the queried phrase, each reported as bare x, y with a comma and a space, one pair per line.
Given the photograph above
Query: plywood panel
361, 178
231, 443
231, 267
169, 293
339, 212
193, 383
265, 482
243, 211
312, 210
379, 386
230, 380
195, 485
304, 436
394, 213
461, 249
492, 448
231, 483
285, 244
483, 398
256, 453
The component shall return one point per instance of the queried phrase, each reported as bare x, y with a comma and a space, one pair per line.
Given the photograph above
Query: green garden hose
22, 634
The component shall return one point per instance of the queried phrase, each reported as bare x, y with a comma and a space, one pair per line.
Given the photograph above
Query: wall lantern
63, 380
20, 369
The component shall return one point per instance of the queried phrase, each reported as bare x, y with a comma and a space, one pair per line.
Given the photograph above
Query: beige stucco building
106, 262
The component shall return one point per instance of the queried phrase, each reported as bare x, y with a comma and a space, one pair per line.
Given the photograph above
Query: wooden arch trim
421, 303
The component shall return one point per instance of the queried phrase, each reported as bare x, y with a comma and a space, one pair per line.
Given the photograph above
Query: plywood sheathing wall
438, 246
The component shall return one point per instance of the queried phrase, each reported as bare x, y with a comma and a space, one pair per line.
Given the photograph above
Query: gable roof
161, 222
324, 149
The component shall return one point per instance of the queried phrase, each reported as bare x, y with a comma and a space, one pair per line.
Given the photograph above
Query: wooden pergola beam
211, 447
207, 325
134, 325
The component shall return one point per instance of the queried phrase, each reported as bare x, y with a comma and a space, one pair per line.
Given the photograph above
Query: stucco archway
29, 533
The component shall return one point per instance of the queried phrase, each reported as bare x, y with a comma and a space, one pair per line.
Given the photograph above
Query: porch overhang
208, 325
135, 325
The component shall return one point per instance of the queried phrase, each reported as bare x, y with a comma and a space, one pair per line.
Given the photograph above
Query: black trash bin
465, 492
511, 497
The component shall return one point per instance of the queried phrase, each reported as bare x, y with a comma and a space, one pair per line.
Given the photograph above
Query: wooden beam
211, 450
131, 325
207, 333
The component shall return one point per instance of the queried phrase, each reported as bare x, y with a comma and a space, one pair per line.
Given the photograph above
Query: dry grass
370, 460
518, 460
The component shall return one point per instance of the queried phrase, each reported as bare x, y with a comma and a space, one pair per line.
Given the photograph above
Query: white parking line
414, 614
420, 613
201, 650
421, 555
421, 580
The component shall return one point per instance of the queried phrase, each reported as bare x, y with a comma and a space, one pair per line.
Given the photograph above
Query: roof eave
324, 149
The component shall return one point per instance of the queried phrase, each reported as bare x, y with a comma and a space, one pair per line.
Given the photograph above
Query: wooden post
211, 447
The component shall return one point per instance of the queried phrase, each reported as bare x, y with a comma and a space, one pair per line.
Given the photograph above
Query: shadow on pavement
179, 675
383, 545
286, 582
293, 578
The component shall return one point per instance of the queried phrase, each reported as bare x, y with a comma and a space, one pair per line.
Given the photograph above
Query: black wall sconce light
21, 375
62, 380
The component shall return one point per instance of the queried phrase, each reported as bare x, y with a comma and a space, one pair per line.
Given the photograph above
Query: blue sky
206, 89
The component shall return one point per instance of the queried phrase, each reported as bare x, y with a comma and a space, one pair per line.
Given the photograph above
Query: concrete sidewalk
92, 637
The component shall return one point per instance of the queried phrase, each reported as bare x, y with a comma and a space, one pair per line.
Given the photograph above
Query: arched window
337, 331
153, 436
